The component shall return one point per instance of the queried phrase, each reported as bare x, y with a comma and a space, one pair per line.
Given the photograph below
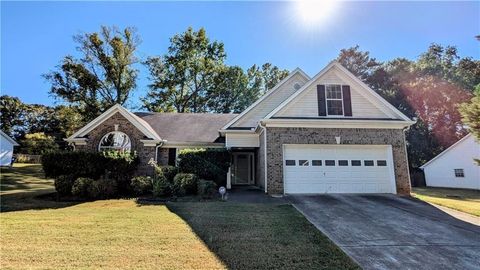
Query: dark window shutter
347, 100
172, 156
322, 110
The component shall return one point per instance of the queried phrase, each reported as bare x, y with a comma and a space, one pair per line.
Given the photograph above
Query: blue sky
35, 36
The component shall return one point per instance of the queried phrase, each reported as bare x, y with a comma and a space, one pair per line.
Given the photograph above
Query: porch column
229, 178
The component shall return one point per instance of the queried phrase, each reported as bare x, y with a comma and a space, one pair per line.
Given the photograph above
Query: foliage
470, 112
192, 77
206, 163
182, 78
185, 183
103, 76
89, 164
38, 144
64, 184
141, 185
206, 189
431, 88
82, 187
103, 188
161, 186
168, 171
11, 109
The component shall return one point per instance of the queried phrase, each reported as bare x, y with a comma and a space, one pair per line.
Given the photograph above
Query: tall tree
231, 92
261, 79
429, 88
103, 76
182, 78
470, 112
11, 115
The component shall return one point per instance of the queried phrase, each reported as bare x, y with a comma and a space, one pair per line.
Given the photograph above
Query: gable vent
297, 86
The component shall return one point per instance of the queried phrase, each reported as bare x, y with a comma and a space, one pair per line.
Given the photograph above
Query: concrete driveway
391, 232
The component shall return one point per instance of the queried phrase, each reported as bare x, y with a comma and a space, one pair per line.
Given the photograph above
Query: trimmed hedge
113, 165
88, 164
161, 186
83, 187
205, 163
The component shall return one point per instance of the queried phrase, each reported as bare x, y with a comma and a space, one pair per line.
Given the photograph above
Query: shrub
63, 184
169, 172
104, 188
118, 166
185, 183
141, 185
206, 189
161, 186
82, 187
206, 163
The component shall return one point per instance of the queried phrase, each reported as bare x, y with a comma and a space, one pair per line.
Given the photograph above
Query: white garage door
338, 169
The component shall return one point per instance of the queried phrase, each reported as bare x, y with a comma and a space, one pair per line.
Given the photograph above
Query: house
6, 146
326, 134
455, 167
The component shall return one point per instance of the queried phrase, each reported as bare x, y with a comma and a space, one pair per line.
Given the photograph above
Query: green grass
464, 200
23, 177
123, 234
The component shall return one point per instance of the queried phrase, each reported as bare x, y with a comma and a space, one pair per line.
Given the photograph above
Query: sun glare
315, 13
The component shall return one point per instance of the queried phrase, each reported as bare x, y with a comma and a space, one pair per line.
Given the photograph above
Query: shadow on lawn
32, 201
261, 236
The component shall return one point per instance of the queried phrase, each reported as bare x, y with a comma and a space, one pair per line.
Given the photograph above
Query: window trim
101, 148
327, 99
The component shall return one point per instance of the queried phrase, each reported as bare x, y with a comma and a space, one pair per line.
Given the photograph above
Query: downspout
156, 150
260, 124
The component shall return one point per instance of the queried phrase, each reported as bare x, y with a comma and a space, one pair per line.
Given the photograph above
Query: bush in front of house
89, 164
141, 185
185, 183
206, 189
206, 163
161, 186
104, 188
64, 184
83, 187
168, 171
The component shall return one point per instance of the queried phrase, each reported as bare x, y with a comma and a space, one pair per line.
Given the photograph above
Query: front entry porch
242, 170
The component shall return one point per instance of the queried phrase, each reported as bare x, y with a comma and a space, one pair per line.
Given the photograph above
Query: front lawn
465, 200
122, 234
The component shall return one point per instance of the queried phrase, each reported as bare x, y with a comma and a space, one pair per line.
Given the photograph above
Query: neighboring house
326, 134
455, 167
6, 146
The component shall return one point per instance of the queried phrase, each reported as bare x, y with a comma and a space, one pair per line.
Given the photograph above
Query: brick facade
276, 137
145, 153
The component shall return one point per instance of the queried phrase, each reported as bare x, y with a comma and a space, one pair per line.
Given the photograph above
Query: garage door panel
338, 179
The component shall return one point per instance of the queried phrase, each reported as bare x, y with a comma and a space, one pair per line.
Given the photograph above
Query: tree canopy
193, 77
104, 74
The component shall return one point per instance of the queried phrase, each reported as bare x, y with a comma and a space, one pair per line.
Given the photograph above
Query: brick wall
145, 153
260, 164
276, 137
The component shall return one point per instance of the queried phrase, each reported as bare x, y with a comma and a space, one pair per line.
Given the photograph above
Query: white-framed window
115, 140
459, 172
334, 99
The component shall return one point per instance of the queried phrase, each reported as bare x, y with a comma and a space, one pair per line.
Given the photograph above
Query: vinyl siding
251, 118
241, 140
440, 172
306, 104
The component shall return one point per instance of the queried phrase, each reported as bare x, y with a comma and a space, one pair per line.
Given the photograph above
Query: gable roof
12, 141
452, 147
186, 127
370, 94
266, 95
139, 123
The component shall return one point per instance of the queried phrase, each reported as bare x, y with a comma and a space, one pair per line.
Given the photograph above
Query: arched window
115, 140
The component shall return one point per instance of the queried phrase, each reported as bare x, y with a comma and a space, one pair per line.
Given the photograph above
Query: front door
243, 173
